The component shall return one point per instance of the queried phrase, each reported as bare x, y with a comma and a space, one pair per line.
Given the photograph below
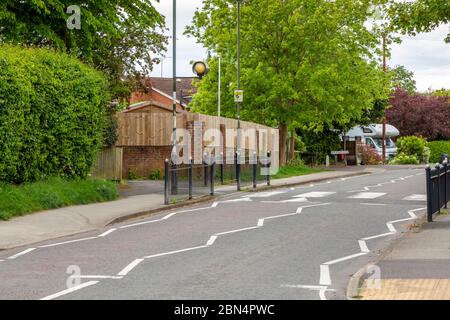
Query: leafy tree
421, 15
306, 64
403, 79
119, 37
420, 115
441, 93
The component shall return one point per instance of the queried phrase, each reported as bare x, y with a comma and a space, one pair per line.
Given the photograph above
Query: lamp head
200, 68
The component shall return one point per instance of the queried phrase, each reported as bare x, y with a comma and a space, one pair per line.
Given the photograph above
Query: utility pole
238, 147
174, 133
219, 91
384, 117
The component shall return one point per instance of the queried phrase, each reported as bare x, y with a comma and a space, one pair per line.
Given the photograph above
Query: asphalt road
297, 243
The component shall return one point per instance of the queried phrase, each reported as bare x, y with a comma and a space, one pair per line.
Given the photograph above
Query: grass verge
294, 171
51, 194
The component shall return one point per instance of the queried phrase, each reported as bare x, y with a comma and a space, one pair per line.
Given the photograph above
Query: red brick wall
144, 160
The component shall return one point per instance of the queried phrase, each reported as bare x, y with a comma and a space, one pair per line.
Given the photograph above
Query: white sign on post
238, 96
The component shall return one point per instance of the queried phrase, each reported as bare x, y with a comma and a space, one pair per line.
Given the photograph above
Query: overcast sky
427, 55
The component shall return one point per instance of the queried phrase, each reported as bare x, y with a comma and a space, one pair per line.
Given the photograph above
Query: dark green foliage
121, 38
155, 175
319, 144
52, 115
52, 193
438, 148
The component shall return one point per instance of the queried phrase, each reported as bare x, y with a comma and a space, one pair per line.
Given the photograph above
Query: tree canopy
305, 63
403, 79
420, 115
120, 37
421, 15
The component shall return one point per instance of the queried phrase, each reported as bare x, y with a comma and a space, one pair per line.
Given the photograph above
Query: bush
420, 114
413, 146
368, 155
132, 175
155, 175
52, 115
438, 148
405, 159
52, 193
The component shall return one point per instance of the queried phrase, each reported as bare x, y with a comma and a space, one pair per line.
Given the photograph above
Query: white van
372, 136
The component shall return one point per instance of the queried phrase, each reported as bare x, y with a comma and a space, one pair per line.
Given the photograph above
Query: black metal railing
438, 188
188, 180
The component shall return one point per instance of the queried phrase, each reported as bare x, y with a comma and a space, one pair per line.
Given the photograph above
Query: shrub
368, 155
155, 175
413, 146
438, 148
420, 114
52, 115
405, 159
52, 193
132, 175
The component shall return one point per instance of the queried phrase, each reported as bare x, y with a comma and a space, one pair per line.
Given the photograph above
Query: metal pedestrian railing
438, 188
188, 180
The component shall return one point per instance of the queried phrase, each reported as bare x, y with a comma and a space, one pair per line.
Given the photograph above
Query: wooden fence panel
108, 164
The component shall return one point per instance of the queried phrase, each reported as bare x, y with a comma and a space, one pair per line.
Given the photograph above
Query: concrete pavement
73, 220
417, 268
301, 242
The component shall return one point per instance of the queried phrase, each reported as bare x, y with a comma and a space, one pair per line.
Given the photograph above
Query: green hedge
52, 114
52, 193
438, 148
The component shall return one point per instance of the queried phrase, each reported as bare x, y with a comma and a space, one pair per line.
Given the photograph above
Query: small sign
338, 153
238, 96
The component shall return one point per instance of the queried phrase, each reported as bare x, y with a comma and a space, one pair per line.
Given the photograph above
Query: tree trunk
292, 146
283, 144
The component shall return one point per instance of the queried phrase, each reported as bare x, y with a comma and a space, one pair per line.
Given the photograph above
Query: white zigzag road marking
21, 253
325, 278
70, 290
208, 244
110, 231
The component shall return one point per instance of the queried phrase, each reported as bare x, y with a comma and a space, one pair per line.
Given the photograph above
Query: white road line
98, 277
107, 233
373, 204
325, 279
363, 246
170, 215
378, 236
315, 194
236, 231
70, 290
288, 201
245, 199
265, 194
67, 242
353, 256
174, 252
130, 267
275, 217
21, 253
367, 195
416, 197
211, 240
